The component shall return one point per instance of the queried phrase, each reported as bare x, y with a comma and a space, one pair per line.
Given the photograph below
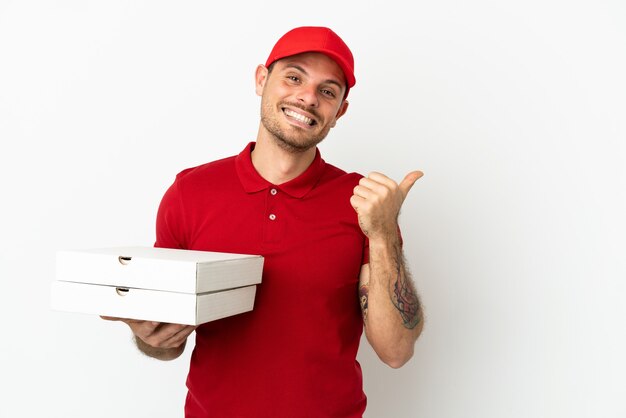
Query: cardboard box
156, 284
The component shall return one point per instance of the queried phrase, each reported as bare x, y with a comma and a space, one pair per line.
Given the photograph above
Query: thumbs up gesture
377, 200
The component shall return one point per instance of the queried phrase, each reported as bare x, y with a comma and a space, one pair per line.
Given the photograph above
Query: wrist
388, 238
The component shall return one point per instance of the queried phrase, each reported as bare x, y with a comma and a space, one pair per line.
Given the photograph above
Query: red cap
315, 39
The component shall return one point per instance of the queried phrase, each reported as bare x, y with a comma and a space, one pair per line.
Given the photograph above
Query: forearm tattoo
363, 294
403, 294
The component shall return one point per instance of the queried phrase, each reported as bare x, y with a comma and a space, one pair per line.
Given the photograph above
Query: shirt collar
252, 181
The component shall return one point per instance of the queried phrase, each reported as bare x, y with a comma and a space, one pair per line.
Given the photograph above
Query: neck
276, 164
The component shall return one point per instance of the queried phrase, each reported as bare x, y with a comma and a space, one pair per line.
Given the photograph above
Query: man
329, 240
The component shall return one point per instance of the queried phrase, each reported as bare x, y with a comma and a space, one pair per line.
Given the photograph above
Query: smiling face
301, 99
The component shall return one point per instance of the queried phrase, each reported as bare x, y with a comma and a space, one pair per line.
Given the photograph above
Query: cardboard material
157, 284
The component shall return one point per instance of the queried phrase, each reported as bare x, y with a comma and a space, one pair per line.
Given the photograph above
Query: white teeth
298, 117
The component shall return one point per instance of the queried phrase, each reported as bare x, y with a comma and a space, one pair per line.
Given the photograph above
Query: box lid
174, 270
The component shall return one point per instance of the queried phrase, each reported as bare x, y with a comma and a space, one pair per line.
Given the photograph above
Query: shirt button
272, 216
273, 192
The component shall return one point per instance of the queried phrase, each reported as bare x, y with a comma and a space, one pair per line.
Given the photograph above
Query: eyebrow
302, 70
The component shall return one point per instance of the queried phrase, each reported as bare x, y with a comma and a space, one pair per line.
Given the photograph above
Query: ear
260, 77
342, 111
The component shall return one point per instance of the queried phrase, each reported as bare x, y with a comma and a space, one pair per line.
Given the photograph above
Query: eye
293, 78
328, 93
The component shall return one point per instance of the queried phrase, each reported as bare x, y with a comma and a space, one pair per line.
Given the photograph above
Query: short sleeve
170, 220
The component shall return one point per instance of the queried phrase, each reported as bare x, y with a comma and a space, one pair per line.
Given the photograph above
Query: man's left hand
377, 200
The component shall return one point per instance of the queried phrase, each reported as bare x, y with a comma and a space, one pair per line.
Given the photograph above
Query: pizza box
156, 284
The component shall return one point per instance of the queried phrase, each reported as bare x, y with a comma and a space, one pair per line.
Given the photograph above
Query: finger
115, 318
169, 335
356, 202
144, 329
377, 177
408, 181
378, 187
375, 180
361, 206
178, 338
363, 191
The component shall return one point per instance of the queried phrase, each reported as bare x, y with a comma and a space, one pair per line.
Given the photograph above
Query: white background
515, 111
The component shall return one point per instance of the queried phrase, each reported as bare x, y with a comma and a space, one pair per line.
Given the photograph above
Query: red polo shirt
294, 355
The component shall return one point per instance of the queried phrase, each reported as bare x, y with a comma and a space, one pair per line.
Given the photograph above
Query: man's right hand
158, 339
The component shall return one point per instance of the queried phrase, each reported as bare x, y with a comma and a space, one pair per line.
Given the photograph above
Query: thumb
408, 181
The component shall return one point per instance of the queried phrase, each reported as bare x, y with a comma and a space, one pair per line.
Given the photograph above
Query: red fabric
294, 355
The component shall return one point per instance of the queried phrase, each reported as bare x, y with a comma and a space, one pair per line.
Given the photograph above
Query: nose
307, 95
